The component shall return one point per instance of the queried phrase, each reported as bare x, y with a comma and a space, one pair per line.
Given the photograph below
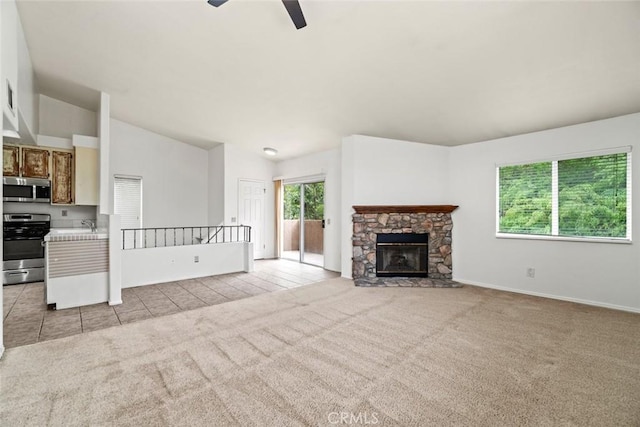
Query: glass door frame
302, 183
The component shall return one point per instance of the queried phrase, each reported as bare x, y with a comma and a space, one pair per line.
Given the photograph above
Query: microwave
16, 189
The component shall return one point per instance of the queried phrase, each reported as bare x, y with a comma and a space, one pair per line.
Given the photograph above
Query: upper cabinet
28, 162
10, 160
73, 170
35, 163
62, 180
86, 176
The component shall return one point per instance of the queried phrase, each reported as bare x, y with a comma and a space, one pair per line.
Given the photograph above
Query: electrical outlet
233, 219
531, 272
196, 258
64, 212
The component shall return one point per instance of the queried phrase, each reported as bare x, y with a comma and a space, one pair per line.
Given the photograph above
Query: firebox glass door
303, 223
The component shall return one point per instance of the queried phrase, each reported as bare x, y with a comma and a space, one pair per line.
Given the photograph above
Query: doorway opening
303, 223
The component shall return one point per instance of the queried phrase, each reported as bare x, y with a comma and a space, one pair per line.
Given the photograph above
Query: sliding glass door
303, 223
312, 248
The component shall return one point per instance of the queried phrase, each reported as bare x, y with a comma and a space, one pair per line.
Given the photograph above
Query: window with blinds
128, 201
525, 199
573, 197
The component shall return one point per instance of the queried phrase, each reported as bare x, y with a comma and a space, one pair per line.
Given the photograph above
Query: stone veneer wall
366, 226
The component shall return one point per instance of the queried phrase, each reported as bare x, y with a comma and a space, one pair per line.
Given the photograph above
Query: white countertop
67, 234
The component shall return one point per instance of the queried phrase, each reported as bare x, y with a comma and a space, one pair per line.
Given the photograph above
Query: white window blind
587, 196
592, 196
525, 198
128, 201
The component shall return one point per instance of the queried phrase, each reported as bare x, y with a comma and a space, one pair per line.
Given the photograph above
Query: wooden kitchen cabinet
10, 160
35, 163
86, 176
62, 179
27, 162
74, 173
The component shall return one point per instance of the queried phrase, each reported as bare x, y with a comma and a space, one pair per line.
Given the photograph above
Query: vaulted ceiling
444, 73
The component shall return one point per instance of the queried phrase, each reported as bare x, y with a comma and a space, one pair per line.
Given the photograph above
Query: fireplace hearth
403, 246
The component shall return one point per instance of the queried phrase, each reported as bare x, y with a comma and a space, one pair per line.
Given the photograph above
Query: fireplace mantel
375, 209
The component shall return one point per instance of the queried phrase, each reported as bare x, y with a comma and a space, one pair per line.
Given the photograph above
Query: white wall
393, 172
174, 175
240, 164
379, 171
104, 145
598, 273
9, 52
158, 265
28, 102
216, 185
327, 163
63, 120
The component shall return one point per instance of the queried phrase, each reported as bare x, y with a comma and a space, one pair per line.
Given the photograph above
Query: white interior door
251, 212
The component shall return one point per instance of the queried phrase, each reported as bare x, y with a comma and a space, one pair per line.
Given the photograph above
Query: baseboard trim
545, 295
115, 302
1, 351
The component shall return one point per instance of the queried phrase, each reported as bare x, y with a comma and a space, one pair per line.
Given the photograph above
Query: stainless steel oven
23, 249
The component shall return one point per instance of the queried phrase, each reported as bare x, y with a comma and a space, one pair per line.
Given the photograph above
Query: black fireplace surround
402, 254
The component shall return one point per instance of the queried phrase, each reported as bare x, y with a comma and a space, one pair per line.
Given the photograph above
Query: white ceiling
444, 73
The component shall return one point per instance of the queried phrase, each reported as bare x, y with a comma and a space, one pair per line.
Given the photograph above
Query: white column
115, 261
103, 135
248, 257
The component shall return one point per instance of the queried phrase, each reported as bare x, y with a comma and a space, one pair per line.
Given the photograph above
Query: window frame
554, 199
138, 179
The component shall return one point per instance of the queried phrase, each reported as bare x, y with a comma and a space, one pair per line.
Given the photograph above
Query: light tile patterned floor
309, 257
27, 320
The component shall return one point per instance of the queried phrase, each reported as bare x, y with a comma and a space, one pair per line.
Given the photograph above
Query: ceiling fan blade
216, 3
295, 12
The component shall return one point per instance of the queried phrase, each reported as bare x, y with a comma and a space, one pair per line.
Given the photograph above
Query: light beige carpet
334, 354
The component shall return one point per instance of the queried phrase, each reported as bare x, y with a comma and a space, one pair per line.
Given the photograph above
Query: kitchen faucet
89, 223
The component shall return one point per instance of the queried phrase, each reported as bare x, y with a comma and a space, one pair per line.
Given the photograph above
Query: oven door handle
18, 273
15, 239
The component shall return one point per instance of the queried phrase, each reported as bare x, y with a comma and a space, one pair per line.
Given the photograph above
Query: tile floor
309, 258
27, 319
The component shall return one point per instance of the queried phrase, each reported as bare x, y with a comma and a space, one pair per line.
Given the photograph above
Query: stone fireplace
409, 245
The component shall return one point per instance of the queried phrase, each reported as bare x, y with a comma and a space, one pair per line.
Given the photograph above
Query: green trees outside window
525, 199
313, 201
590, 196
